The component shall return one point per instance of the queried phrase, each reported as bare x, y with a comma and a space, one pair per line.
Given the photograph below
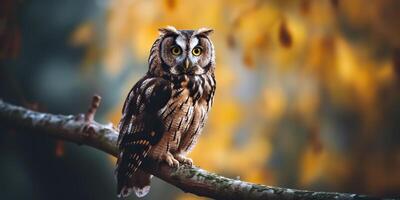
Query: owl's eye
176, 51
197, 51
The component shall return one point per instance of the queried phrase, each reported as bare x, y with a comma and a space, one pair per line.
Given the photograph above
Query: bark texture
82, 129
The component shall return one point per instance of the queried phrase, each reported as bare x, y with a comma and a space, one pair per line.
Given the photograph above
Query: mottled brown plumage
166, 110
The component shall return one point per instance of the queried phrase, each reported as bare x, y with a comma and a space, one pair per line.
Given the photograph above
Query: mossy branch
82, 129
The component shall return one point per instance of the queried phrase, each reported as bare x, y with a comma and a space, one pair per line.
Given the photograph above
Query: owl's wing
140, 127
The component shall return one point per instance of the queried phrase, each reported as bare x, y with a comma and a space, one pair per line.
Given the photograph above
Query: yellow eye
176, 51
197, 51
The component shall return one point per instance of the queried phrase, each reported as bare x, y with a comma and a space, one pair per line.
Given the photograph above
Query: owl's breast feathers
184, 115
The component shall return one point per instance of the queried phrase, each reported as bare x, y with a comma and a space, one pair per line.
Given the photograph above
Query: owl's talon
183, 159
170, 160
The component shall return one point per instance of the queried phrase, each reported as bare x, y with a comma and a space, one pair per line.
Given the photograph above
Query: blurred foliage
307, 91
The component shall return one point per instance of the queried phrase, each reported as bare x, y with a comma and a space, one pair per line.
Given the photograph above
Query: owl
165, 111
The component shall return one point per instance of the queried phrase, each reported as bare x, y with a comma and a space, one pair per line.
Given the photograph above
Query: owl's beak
187, 64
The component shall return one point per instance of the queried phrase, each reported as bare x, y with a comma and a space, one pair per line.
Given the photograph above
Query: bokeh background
307, 91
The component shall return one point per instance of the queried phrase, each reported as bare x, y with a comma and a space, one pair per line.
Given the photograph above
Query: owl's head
182, 52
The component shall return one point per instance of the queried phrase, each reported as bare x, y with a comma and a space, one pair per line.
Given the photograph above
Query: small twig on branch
189, 179
89, 115
89, 129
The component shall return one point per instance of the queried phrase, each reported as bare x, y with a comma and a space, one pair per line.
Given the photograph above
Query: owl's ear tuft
204, 31
168, 30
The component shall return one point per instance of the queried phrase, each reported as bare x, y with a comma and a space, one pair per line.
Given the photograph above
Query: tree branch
82, 129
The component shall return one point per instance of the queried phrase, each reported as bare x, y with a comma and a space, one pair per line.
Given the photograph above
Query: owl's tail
138, 183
